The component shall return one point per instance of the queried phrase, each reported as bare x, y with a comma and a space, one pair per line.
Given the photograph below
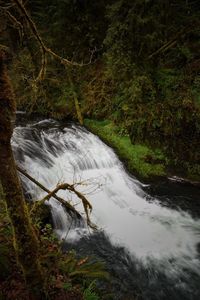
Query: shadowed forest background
144, 74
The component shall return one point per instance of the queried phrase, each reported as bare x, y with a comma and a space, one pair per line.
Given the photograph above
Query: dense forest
129, 71
143, 75
133, 63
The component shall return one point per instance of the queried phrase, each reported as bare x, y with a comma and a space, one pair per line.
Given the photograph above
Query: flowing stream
149, 235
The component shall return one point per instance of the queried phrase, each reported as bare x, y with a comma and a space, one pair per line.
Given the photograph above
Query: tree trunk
25, 239
77, 106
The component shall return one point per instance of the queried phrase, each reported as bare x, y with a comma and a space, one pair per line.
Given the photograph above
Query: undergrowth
138, 158
67, 276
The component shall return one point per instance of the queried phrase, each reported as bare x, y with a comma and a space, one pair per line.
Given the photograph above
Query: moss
25, 241
138, 158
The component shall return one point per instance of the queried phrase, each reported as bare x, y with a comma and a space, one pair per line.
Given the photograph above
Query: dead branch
44, 48
172, 42
30, 22
12, 18
66, 204
70, 187
65, 186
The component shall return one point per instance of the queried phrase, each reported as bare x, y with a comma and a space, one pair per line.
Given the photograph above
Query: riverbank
146, 163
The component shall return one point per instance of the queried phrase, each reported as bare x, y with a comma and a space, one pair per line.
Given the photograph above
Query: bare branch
172, 42
70, 187
68, 206
14, 21
12, 18
30, 22
44, 48
65, 186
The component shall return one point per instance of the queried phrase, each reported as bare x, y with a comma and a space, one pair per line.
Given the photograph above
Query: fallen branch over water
70, 187
65, 186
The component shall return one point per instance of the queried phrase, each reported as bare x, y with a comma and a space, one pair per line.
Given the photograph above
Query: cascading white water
145, 228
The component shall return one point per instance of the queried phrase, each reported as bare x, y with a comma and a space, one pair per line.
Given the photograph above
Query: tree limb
12, 18
66, 204
65, 186
44, 48
171, 43
70, 187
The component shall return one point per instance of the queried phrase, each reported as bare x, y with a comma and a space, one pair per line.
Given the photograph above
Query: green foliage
64, 272
67, 286
89, 293
145, 79
133, 33
168, 82
154, 98
82, 268
140, 159
173, 126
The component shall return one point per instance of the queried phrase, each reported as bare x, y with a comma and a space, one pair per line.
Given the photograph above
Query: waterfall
152, 233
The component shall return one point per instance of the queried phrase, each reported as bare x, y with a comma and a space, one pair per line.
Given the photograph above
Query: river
148, 234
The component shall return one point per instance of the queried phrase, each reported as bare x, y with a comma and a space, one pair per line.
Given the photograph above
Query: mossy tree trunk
76, 102
25, 239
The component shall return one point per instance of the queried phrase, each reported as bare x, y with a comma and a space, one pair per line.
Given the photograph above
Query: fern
89, 293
